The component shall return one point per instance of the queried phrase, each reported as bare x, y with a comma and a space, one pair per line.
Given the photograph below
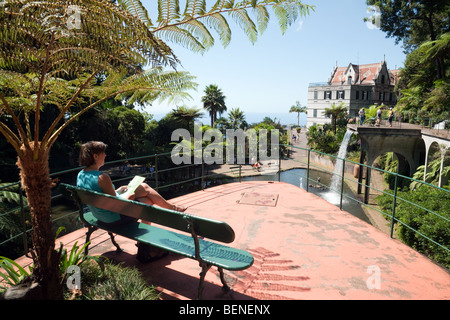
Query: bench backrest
204, 227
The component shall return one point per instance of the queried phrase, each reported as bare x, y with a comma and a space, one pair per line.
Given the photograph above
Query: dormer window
349, 80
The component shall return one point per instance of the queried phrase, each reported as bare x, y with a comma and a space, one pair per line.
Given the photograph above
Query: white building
356, 86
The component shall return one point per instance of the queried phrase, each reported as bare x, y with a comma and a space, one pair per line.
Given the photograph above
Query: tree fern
173, 19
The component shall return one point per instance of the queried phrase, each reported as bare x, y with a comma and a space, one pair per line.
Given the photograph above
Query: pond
298, 178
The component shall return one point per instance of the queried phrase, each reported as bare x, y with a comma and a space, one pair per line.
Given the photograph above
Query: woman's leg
148, 195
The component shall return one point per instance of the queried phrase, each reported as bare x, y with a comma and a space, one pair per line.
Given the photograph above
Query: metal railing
199, 176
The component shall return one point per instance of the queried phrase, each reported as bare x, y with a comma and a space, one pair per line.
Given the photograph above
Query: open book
131, 187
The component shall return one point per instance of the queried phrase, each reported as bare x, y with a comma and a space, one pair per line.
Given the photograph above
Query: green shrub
413, 211
116, 282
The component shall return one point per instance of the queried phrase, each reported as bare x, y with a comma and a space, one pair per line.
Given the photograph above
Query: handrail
158, 172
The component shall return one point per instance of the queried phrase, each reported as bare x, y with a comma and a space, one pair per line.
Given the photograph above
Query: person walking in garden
379, 117
362, 116
391, 117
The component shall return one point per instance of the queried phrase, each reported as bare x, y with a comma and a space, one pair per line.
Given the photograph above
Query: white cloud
299, 26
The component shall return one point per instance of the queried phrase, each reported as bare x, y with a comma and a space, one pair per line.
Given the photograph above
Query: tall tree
414, 22
186, 115
237, 119
335, 112
421, 92
52, 52
299, 109
214, 102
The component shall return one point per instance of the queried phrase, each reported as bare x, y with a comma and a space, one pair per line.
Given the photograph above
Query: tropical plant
424, 216
15, 273
214, 102
13, 217
412, 22
336, 112
191, 26
437, 168
55, 62
421, 90
114, 282
53, 53
236, 119
299, 109
371, 113
186, 115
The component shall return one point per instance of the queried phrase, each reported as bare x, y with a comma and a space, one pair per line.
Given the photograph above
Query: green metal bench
207, 253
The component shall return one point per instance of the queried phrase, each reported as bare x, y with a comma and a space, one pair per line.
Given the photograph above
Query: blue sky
272, 74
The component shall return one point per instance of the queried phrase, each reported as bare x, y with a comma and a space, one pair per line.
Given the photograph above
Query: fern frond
194, 8
246, 23
286, 11
181, 37
155, 84
262, 18
168, 10
136, 8
220, 25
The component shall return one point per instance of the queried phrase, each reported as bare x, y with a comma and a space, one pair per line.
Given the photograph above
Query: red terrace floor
304, 248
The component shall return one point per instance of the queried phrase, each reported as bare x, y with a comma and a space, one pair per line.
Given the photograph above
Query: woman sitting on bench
92, 155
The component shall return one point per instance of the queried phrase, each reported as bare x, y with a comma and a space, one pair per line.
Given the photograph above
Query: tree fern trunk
34, 174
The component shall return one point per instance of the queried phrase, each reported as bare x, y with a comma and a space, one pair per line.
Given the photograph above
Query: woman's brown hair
88, 150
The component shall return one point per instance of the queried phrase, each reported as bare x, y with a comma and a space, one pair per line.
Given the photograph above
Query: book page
137, 180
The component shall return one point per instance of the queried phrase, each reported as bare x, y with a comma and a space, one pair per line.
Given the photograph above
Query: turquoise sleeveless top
89, 180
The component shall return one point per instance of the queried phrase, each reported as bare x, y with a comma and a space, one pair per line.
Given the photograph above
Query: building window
340, 94
316, 95
349, 80
315, 113
357, 95
327, 95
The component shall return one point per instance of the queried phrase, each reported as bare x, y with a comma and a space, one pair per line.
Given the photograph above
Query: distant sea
284, 118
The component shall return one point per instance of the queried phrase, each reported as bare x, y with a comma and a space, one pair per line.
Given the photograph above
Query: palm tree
335, 112
53, 52
237, 119
186, 114
214, 102
299, 109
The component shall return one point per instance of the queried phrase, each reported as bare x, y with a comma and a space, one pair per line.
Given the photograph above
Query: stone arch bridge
413, 146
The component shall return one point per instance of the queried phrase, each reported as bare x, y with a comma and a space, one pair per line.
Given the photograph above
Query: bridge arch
407, 145
433, 145
413, 143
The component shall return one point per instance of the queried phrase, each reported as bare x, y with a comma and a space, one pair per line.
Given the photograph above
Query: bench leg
205, 268
225, 286
118, 249
88, 237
